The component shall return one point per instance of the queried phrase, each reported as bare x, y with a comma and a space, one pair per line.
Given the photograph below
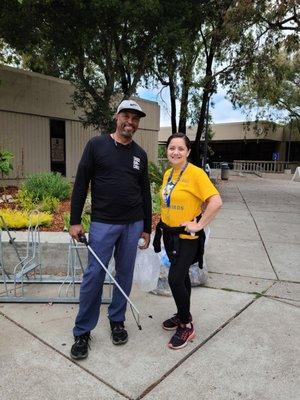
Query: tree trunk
207, 92
184, 106
187, 76
196, 151
173, 105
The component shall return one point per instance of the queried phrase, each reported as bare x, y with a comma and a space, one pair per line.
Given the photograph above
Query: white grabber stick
83, 239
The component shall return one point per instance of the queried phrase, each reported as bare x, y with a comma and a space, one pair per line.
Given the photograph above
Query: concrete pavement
246, 318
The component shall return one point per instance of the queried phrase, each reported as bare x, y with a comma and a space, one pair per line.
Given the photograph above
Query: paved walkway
247, 320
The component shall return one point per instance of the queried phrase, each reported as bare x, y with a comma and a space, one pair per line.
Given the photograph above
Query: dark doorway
58, 146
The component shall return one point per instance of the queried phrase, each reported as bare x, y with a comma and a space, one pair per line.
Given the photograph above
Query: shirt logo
136, 162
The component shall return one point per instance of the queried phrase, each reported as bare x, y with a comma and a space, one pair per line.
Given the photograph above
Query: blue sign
275, 156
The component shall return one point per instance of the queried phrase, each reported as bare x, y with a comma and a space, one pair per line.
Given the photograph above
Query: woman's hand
213, 204
191, 226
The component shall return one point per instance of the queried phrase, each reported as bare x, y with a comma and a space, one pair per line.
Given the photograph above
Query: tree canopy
109, 47
270, 84
103, 46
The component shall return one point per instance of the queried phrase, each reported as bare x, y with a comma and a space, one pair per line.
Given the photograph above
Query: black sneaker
81, 346
172, 323
182, 336
119, 334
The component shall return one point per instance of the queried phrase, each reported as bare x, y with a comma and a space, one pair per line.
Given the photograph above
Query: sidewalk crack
262, 241
66, 357
187, 356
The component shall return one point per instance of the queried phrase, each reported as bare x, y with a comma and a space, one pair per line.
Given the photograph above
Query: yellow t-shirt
193, 188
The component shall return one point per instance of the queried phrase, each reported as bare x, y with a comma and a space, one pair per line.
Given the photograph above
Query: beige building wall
35, 94
76, 138
291, 133
26, 137
27, 103
242, 131
229, 131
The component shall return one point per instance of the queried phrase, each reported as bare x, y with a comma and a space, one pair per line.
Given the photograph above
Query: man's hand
146, 237
75, 231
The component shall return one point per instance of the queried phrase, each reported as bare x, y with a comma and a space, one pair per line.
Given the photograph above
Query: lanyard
168, 189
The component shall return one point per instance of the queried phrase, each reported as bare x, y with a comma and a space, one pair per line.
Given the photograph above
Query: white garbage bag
147, 269
198, 276
163, 288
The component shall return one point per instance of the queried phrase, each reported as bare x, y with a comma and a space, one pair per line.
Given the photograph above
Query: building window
58, 146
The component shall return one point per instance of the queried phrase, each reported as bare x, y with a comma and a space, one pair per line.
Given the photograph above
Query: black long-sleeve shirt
120, 187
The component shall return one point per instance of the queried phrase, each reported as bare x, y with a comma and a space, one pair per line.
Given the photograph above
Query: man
117, 168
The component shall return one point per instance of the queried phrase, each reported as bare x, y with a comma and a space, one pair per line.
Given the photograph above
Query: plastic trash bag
198, 276
163, 288
164, 259
147, 269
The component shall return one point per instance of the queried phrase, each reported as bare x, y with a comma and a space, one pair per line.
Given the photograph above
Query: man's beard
127, 134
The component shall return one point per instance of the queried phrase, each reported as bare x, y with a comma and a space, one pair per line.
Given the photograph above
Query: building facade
247, 141
40, 128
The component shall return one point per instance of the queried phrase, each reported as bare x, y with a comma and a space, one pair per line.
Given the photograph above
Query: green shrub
66, 221
85, 221
155, 198
26, 201
87, 209
156, 174
5, 162
49, 204
47, 184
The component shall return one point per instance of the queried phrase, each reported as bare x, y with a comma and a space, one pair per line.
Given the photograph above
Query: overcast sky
222, 111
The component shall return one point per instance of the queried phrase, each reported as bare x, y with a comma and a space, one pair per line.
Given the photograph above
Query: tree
213, 45
282, 15
270, 85
8, 55
176, 52
225, 47
272, 88
222, 48
103, 46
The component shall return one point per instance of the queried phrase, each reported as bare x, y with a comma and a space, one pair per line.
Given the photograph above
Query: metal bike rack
30, 263
15, 285
74, 270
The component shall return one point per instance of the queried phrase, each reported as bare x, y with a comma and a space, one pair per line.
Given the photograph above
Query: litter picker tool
83, 239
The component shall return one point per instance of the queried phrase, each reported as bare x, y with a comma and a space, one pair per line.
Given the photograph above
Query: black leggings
179, 279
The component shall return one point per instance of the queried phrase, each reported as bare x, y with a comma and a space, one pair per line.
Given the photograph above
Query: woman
184, 190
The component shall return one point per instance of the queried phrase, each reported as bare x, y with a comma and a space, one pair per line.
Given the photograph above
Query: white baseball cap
130, 105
